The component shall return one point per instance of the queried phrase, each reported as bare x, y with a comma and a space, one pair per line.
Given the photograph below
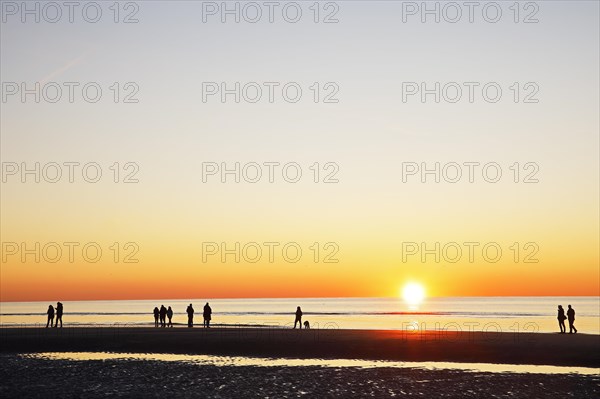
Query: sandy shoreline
22, 377
32, 376
475, 347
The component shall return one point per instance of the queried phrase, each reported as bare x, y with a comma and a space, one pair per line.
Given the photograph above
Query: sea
501, 314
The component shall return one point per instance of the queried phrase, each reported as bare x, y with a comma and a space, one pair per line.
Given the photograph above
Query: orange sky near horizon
156, 280
369, 249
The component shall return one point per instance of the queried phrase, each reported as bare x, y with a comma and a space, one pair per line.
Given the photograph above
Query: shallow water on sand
329, 363
37, 376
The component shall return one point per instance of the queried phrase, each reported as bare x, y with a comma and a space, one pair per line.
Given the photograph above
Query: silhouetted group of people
59, 314
570, 316
161, 315
206, 315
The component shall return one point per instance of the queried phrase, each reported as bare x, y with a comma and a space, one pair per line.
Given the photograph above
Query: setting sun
413, 293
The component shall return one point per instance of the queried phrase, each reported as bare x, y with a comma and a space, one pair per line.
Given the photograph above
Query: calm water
508, 314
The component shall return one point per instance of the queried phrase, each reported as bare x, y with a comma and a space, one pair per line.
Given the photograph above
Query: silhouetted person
163, 316
298, 317
156, 315
59, 312
170, 316
50, 314
561, 319
190, 313
571, 317
207, 315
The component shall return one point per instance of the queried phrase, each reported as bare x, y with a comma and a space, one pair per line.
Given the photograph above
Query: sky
369, 221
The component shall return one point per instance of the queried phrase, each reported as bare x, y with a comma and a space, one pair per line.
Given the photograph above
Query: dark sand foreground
24, 376
474, 347
36, 378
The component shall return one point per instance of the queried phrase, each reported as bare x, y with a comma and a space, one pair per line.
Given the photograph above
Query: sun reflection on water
240, 361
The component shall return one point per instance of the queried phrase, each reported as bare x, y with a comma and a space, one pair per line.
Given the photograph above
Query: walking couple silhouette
561, 319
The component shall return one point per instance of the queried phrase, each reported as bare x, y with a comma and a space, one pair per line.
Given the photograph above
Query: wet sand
474, 347
22, 377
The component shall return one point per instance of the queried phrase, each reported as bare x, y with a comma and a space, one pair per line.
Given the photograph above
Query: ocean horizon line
306, 298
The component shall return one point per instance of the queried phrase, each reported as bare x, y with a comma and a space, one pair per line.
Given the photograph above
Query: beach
443, 346
96, 362
38, 378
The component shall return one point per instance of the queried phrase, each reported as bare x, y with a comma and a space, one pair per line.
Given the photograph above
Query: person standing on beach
50, 314
298, 317
170, 316
163, 316
207, 315
156, 314
571, 316
190, 313
59, 312
561, 319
